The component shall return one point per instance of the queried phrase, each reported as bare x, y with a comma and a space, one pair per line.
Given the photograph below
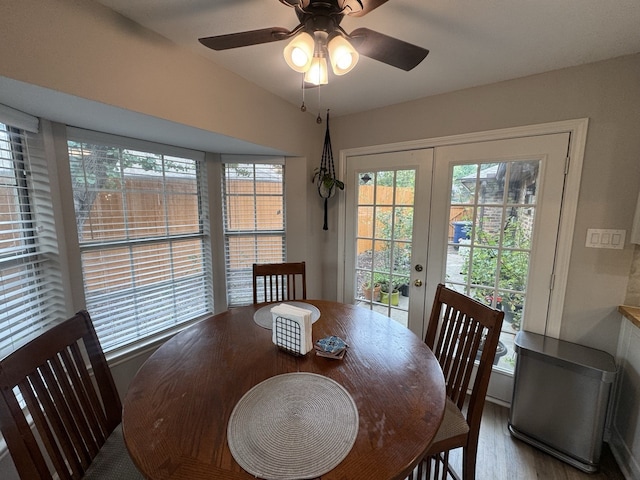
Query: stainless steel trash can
560, 397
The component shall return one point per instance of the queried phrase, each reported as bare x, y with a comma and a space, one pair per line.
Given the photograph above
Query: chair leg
427, 467
469, 464
446, 468
441, 460
437, 460
437, 468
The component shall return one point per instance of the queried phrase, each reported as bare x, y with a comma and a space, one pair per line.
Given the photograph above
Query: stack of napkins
331, 347
291, 329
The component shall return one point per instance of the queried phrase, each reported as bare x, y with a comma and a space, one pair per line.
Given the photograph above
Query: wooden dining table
178, 406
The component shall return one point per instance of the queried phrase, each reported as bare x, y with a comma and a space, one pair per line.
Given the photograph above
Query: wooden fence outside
264, 211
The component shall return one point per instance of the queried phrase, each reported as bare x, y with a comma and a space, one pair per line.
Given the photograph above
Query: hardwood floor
502, 457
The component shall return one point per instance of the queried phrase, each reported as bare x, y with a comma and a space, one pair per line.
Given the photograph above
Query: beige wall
82, 49
608, 93
633, 289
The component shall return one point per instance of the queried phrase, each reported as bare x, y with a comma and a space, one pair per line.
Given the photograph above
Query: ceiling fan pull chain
319, 119
303, 107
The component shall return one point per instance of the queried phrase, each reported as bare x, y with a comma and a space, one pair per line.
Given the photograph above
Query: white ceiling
471, 42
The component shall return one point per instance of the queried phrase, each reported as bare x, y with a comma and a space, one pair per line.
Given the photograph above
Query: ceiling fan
319, 35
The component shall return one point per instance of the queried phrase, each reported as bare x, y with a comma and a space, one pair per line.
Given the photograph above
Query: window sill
125, 353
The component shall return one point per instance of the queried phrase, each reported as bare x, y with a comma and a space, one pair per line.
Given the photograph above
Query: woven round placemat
263, 316
293, 426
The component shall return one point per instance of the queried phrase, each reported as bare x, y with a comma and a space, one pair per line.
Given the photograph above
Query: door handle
418, 283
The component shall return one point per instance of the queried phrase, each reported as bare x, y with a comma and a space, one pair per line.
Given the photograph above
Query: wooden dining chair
47, 386
278, 282
459, 328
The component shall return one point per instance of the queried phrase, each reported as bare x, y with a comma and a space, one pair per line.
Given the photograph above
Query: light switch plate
605, 238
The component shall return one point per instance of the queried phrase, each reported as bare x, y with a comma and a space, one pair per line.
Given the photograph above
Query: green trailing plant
325, 180
325, 175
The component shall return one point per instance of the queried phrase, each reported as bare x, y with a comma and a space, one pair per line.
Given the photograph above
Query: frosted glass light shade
342, 55
318, 73
299, 52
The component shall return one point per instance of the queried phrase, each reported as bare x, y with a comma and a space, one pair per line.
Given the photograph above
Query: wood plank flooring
502, 457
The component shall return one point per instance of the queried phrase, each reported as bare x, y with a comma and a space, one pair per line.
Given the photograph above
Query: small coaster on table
331, 347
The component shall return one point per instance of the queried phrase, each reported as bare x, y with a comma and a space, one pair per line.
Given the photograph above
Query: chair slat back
72, 412
278, 282
458, 328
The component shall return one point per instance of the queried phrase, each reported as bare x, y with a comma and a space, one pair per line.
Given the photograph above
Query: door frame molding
577, 129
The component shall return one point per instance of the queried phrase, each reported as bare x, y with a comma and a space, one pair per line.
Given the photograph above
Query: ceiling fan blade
244, 39
362, 7
385, 49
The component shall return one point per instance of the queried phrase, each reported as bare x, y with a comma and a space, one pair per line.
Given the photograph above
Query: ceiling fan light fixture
342, 55
299, 52
319, 33
318, 73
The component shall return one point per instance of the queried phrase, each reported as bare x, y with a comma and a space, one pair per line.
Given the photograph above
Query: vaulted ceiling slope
471, 42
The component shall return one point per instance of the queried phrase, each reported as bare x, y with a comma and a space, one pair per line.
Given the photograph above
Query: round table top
177, 408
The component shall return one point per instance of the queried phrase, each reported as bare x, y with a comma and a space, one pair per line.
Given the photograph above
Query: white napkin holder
291, 329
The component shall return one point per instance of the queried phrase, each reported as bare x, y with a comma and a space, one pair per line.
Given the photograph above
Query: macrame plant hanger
326, 174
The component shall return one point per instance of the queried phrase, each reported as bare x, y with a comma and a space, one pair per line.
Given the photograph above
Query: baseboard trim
629, 465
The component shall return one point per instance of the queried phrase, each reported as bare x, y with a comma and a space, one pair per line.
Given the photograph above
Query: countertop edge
631, 313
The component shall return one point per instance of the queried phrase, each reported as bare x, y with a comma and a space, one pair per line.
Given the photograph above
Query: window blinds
30, 281
141, 234
254, 223
18, 120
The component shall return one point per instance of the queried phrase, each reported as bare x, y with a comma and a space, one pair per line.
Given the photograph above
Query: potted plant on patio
371, 290
389, 293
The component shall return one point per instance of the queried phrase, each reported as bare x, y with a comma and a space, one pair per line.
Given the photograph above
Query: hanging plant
325, 175
327, 183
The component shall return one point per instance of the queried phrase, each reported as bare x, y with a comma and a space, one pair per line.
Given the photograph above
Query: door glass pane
384, 241
492, 214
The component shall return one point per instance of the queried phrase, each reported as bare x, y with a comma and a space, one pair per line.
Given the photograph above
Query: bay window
141, 230
30, 283
254, 223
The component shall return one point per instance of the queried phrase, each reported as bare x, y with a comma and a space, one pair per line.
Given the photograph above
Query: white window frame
76, 134
246, 276
45, 301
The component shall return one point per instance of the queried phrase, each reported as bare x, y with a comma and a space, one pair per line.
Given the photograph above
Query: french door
502, 200
482, 217
388, 198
